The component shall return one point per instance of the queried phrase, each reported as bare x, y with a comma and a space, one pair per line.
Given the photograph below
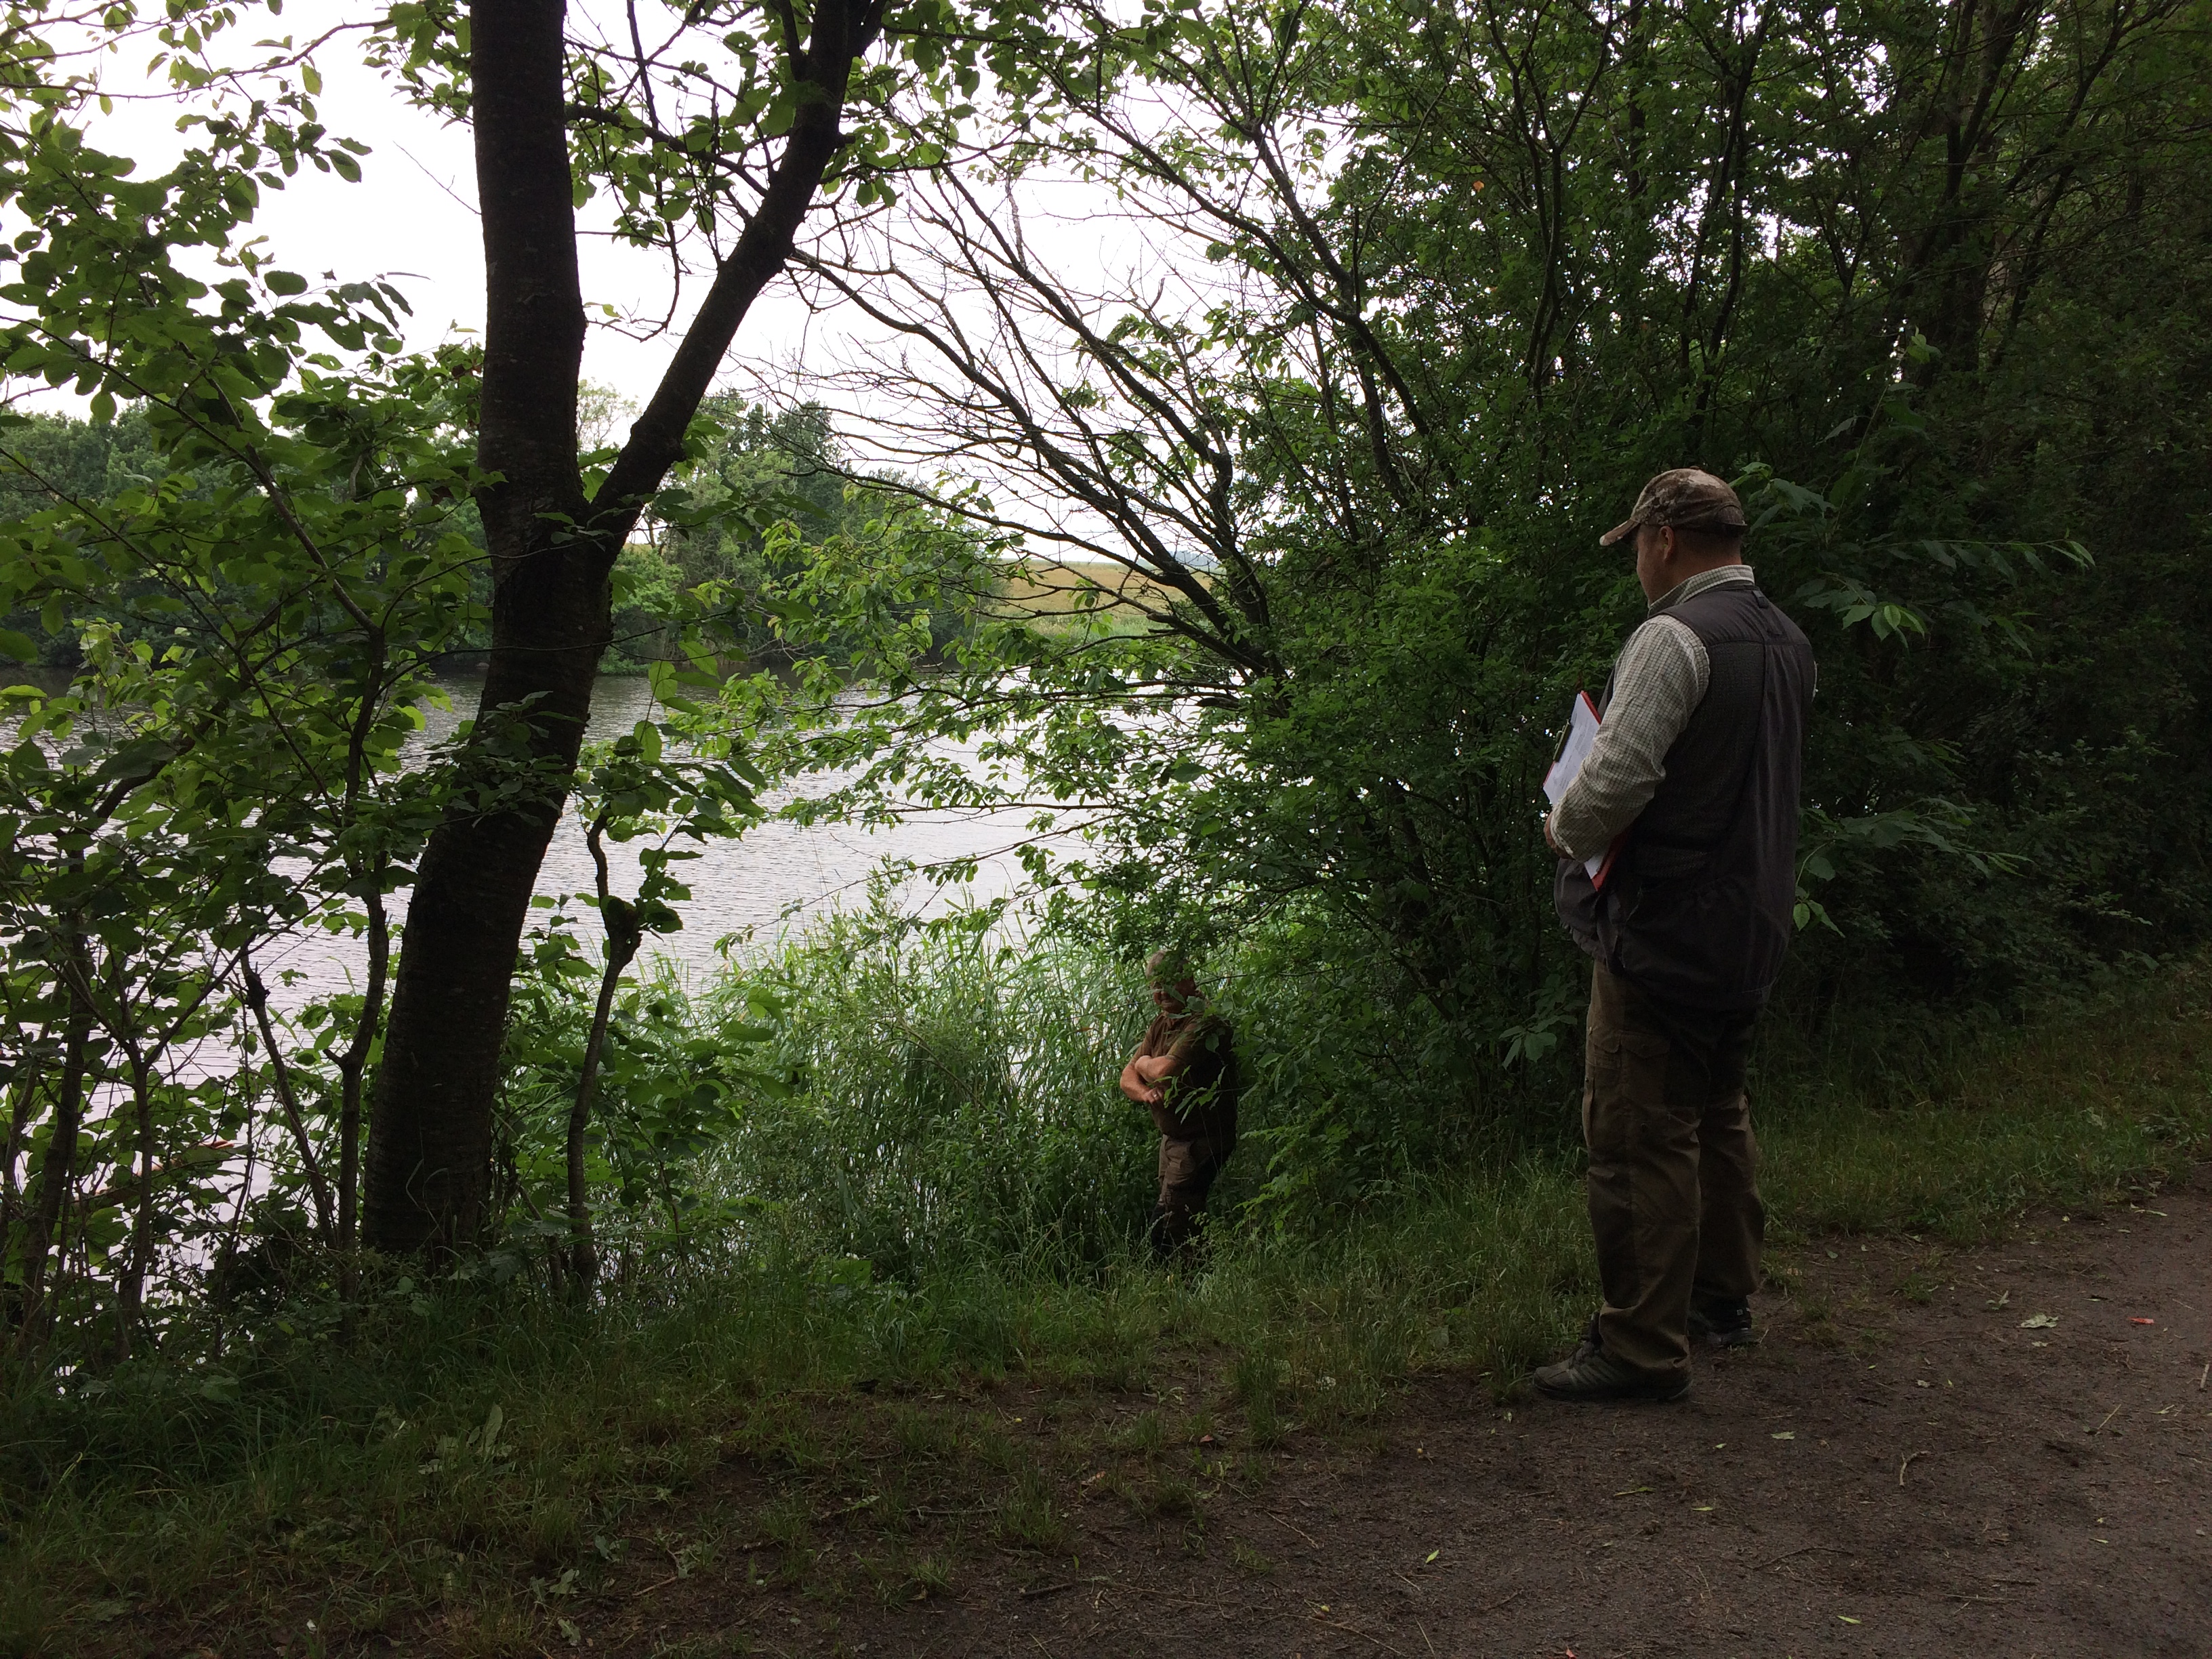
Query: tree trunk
619, 920
429, 1144
133, 1298
58, 1168
280, 1076
583, 1252
351, 1065
430, 1119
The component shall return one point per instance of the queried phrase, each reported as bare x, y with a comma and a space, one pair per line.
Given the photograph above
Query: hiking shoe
1723, 1324
1590, 1374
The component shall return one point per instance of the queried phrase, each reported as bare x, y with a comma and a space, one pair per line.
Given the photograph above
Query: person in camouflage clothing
1184, 1072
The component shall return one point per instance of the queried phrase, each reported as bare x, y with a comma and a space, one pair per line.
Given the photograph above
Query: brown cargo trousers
1673, 1195
1187, 1171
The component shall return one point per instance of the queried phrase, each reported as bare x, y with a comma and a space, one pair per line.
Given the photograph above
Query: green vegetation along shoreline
466, 1447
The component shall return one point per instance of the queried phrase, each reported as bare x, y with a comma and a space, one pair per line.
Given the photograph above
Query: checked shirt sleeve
1657, 685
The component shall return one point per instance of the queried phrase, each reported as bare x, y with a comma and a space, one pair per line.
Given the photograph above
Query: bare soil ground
1995, 1451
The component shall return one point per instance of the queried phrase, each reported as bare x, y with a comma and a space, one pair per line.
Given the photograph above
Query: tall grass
955, 1098
953, 1103
947, 1190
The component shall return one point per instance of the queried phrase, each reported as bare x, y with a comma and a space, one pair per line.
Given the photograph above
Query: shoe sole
1625, 1397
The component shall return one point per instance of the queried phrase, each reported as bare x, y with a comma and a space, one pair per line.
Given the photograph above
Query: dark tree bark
57, 1170
287, 1100
430, 1124
620, 919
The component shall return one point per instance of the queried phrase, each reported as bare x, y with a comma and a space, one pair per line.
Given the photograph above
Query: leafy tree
715, 144
264, 595
1444, 286
258, 596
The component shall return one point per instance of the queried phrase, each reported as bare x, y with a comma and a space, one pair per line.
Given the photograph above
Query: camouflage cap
1685, 498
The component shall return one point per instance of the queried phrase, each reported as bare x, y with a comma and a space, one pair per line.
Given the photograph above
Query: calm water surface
773, 880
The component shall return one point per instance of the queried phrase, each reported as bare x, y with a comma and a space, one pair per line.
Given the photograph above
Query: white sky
412, 217
412, 220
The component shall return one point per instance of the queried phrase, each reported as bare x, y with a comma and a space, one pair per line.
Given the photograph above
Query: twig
1272, 1515
2202, 1375
2109, 1416
1910, 1458
1423, 1629
1355, 1629
1158, 1595
1494, 1605
666, 1582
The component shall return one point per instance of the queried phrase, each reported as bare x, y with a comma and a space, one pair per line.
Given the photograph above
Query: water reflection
774, 878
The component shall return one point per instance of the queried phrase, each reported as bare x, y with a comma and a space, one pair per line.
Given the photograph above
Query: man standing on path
1694, 782
1184, 1072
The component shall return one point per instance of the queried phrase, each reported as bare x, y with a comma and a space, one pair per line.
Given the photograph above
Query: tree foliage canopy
1416, 301
1311, 464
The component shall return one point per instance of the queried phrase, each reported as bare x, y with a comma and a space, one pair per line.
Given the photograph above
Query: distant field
1060, 589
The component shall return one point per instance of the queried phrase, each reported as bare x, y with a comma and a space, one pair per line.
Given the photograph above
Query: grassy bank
483, 1457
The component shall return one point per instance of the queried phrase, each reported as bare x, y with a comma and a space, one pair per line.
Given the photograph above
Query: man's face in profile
1172, 998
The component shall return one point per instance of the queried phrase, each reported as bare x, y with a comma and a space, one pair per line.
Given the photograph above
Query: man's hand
1136, 1083
1557, 851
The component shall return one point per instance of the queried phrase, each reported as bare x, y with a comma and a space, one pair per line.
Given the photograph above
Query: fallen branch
1334, 1624
1038, 1592
1272, 1515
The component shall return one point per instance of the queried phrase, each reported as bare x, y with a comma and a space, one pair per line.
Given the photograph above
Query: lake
774, 878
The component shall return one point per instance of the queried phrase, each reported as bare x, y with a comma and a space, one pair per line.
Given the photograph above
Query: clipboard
1582, 724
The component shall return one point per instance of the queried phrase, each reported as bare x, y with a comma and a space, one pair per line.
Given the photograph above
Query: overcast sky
412, 220
413, 217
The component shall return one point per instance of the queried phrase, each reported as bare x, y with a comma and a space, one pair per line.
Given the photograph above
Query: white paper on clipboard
1582, 735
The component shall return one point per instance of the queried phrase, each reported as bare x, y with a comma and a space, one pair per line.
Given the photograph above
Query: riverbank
482, 1471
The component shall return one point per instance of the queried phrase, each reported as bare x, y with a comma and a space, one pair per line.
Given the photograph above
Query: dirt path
1904, 1467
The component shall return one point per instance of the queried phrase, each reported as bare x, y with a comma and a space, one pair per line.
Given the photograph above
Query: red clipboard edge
1597, 881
